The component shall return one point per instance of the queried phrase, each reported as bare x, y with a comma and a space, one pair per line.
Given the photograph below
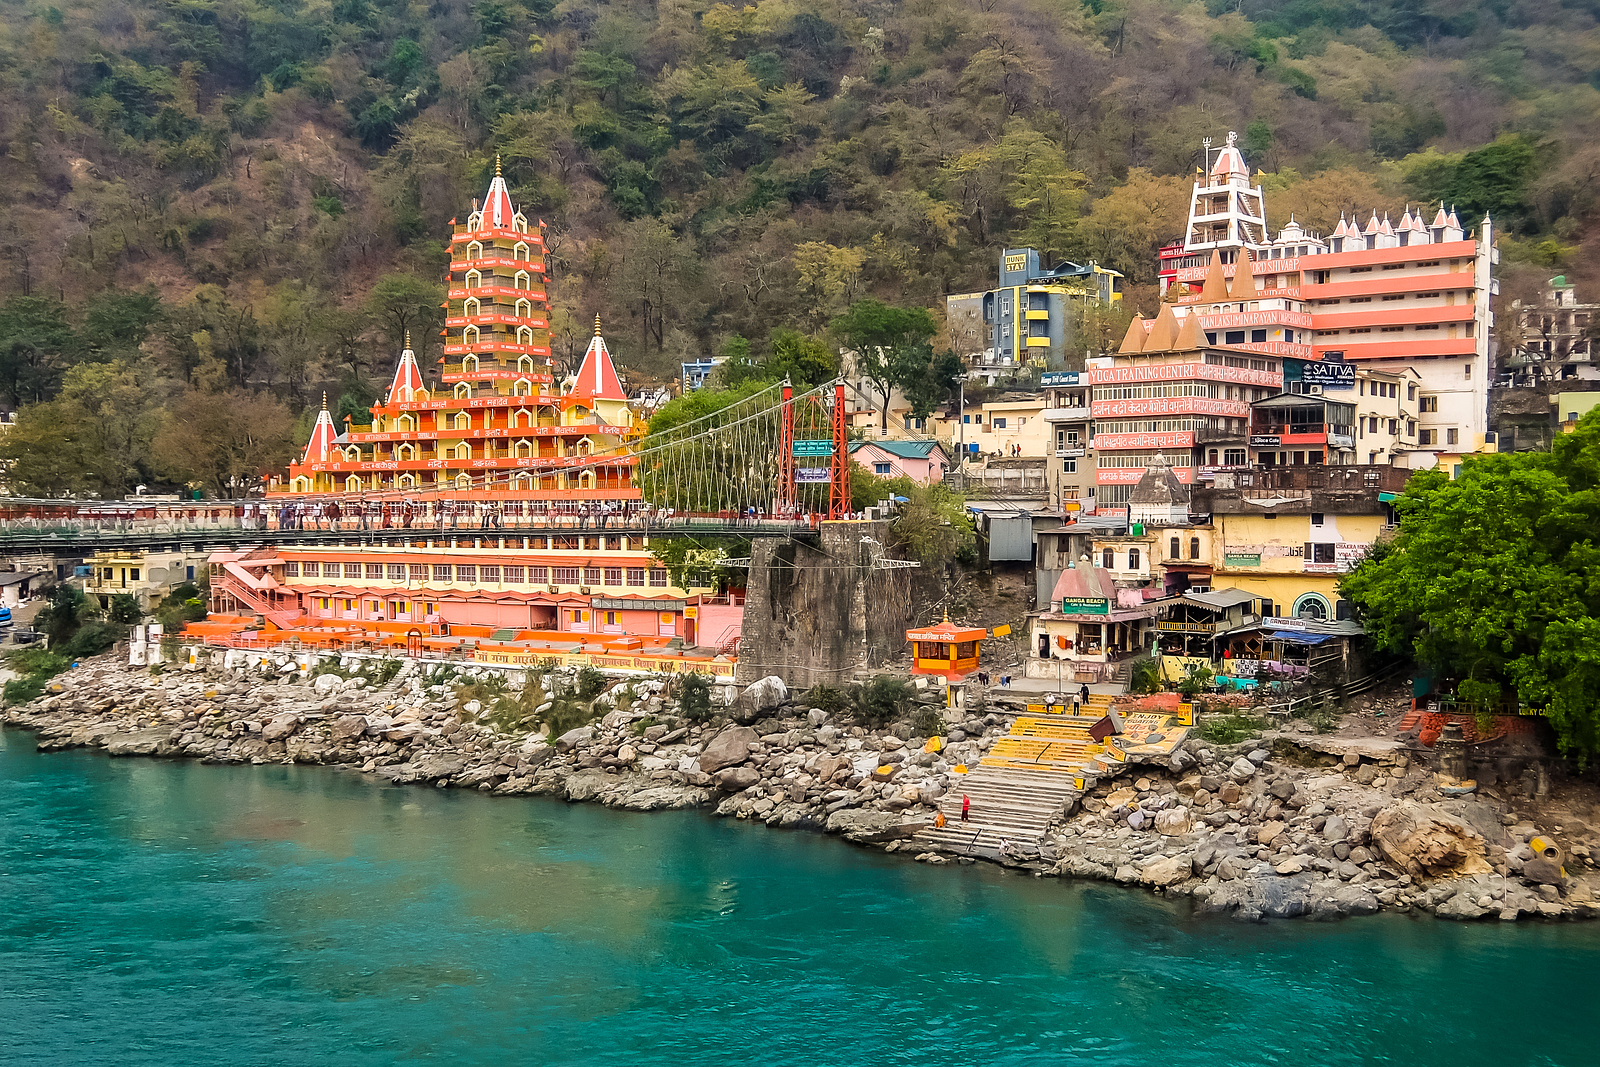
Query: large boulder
139, 742
1173, 822
574, 738
1167, 870
348, 727
1426, 841
867, 827
768, 692
280, 726
728, 749
325, 684
733, 779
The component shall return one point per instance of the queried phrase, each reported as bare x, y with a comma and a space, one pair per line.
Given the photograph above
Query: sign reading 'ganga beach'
1085, 605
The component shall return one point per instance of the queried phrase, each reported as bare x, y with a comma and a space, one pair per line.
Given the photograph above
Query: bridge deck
83, 541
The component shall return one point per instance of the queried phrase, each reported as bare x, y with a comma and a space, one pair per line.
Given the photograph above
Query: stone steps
1007, 804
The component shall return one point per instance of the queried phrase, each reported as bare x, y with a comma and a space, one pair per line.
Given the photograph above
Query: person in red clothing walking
966, 807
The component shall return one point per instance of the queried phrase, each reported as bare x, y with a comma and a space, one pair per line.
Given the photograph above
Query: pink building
924, 462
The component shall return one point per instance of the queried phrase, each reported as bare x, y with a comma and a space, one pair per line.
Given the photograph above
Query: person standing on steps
966, 807
1083, 695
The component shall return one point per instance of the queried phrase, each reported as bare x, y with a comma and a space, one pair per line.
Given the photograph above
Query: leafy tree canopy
1494, 580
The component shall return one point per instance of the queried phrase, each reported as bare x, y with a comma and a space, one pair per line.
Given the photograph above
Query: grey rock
734, 779
1334, 830
870, 827
138, 742
1242, 769
1462, 906
280, 726
1259, 756
575, 738
587, 785
1542, 871
727, 749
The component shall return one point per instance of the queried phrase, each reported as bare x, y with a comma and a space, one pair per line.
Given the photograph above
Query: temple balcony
532, 266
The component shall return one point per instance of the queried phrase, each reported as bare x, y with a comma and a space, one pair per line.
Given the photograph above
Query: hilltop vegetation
273, 179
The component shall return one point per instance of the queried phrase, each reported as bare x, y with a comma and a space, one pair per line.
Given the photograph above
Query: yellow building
1287, 535
147, 576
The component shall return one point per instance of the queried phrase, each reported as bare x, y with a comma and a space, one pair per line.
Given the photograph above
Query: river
159, 912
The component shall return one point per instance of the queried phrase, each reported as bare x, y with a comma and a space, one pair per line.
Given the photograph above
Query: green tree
36, 345
890, 345
405, 302
805, 361
1490, 580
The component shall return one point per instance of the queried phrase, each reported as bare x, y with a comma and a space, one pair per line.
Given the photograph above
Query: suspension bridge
775, 462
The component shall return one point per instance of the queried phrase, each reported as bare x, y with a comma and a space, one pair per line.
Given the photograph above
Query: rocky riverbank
1280, 826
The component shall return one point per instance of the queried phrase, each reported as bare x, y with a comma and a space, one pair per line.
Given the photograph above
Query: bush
591, 683
694, 697
125, 609
1145, 677
93, 638
825, 697
566, 712
1228, 729
37, 661
926, 721
22, 690
383, 672
880, 701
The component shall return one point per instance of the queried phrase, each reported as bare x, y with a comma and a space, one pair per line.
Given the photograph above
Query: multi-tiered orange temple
494, 425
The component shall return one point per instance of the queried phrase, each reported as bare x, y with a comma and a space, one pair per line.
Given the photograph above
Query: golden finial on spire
497, 164
408, 338
324, 400
597, 325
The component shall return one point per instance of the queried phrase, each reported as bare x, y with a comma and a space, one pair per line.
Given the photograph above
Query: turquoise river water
156, 912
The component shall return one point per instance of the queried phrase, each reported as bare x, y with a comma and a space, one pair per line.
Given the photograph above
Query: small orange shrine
947, 650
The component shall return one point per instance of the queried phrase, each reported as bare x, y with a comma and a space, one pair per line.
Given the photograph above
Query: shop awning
1298, 638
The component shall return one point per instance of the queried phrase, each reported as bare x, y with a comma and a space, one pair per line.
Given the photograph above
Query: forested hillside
231, 205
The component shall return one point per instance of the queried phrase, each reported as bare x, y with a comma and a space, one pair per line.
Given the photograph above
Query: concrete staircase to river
1026, 777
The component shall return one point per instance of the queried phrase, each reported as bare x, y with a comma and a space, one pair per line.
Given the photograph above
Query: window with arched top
474, 279
469, 364
463, 451
1194, 548
353, 454
524, 449
520, 221
471, 307
463, 390
522, 387
462, 421
470, 335
302, 485
405, 452
584, 447
525, 364
1108, 559
524, 335
520, 251
463, 481
406, 422
475, 221
405, 481
524, 309
522, 279
1133, 559
352, 484
475, 250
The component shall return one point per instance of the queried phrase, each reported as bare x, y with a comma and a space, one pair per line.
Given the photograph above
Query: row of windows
1150, 425
1132, 459
1241, 362
488, 573
1149, 392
